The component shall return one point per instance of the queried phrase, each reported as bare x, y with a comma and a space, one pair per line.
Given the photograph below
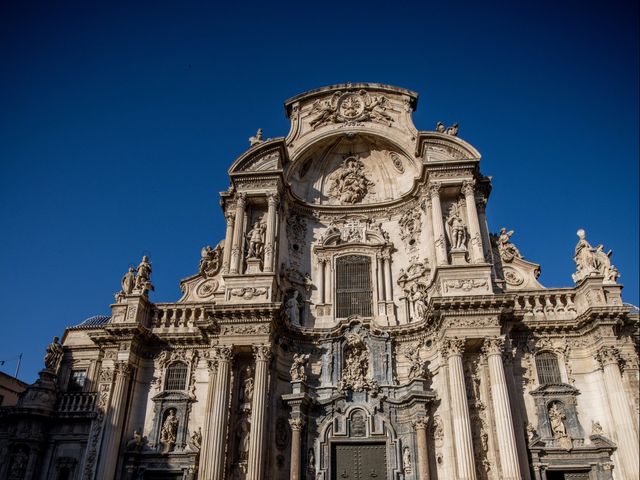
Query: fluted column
296, 443
209, 420
420, 427
228, 244
236, 248
387, 278
218, 423
321, 299
269, 248
438, 225
257, 448
452, 350
380, 278
108, 457
627, 439
502, 410
468, 188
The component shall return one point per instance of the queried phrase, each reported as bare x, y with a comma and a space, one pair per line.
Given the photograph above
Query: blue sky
119, 121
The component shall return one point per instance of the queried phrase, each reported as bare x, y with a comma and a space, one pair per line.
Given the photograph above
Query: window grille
77, 380
176, 376
548, 369
353, 286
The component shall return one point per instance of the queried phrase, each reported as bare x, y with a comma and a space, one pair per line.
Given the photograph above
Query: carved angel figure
53, 355
256, 240
143, 277
169, 432
376, 106
297, 367
418, 367
506, 249
325, 112
457, 230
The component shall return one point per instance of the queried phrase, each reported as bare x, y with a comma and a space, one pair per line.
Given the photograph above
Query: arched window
548, 369
353, 286
176, 376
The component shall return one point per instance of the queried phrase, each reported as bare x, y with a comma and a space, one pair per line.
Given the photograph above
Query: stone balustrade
172, 315
71, 403
547, 304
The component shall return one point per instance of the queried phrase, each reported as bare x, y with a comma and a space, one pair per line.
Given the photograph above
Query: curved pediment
353, 170
268, 156
442, 147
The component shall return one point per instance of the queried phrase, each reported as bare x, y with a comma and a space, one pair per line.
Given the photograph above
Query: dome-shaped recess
352, 169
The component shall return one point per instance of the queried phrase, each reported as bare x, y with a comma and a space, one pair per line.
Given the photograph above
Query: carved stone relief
350, 108
350, 184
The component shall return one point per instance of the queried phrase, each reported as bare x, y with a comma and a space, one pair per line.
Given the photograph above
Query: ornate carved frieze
249, 293
350, 108
262, 353
464, 284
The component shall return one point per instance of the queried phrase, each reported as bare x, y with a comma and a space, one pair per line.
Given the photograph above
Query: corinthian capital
230, 219
468, 187
262, 352
122, 369
420, 423
452, 346
608, 355
296, 423
223, 353
434, 189
493, 346
273, 199
241, 199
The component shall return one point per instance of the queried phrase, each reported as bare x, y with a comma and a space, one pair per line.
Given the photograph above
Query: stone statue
457, 230
440, 128
506, 249
53, 355
556, 418
406, 460
244, 433
452, 130
256, 240
136, 442
196, 439
169, 432
350, 185
247, 388
143, 277
210, 260
596, 428
355, 373
297, 367
418, 296
531, 431
592, 261
311, 464
128, 281
292, 309
257, 139
417, 367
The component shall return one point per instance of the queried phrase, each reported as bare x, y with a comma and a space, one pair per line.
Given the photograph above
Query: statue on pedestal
143, 276
592, 261
292, 308
53, 355
169, 433
457, 230
128, 281
256, 241
297, 367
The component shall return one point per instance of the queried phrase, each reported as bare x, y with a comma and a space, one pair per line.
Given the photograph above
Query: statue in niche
243, 432
350, 185
406, 460
507, 250
256, 240
128, 282
143, 276
210, 260
169, 433
592, 261
292, 308
419, 296
297, 367
247, 385
53, 355
557, 419
457, 230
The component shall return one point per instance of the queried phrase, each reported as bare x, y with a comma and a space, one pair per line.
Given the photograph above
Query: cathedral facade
357, 321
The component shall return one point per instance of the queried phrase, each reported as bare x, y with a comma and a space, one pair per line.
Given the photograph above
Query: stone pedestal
254, 265
458, 257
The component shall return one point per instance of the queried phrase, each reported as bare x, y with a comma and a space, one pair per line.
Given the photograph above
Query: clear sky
118, 121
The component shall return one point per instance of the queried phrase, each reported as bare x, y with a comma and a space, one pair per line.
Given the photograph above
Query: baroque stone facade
358, 320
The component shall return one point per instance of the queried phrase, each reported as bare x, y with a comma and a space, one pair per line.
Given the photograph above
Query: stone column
209, 420
452, 350
270, 236
257, 448
429, 226
507, 447
627, 440
380, 278
228, 241
438, 225
236, 248
218, 419
387, 278
420, 427
321, 262
112, 436
477, 255
296, 443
